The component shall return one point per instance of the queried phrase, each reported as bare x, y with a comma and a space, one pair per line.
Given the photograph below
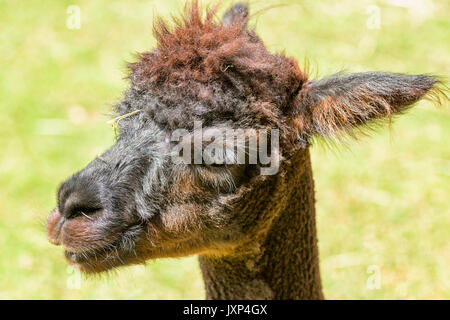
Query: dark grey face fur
133, 203
117, 189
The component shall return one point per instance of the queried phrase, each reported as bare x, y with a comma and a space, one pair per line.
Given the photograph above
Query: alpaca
254, 233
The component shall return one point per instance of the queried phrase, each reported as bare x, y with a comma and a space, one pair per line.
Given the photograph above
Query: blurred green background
382, 202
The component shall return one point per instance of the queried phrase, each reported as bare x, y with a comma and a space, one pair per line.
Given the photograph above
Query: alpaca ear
340, 103
237, 13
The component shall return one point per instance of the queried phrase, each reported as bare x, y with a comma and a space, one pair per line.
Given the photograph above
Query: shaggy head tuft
212, 65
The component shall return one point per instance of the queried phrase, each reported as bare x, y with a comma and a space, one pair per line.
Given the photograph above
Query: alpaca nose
79, 196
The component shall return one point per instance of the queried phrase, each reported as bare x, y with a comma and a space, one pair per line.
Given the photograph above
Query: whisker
84, 214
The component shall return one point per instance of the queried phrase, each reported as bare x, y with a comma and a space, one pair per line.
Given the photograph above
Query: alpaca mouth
100, 255
109, 256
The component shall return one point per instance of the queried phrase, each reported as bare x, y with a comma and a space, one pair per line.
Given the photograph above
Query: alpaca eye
217, 165
218, 158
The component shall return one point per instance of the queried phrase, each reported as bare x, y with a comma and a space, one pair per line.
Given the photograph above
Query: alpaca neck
283, 264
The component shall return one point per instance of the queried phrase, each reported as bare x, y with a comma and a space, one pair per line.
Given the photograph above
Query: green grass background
382, 201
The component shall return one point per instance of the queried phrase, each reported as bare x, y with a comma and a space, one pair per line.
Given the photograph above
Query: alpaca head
137, 201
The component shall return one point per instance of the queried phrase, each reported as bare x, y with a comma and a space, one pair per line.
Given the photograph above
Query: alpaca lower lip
90, 262
111, 252
80, 257
99, 254
72, 256
87, 255
103, 258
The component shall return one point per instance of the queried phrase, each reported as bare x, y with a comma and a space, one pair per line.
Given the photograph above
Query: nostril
79, 196
85, 211
80, 203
